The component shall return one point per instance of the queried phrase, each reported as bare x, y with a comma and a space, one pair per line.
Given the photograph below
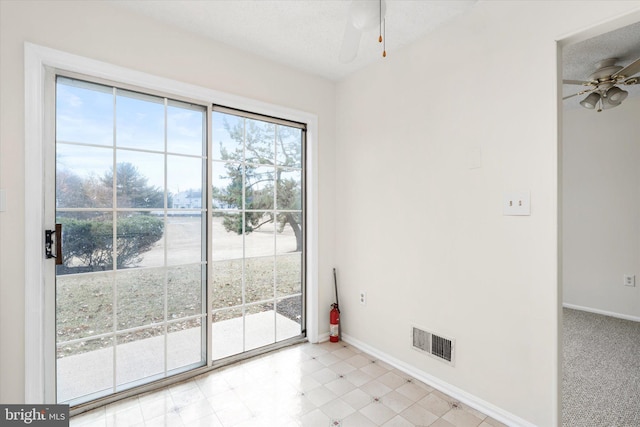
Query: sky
94, 115
94, 122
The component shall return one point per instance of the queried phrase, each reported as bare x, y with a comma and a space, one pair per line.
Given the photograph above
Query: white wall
424, 235
101, 31
416, 228
601, 194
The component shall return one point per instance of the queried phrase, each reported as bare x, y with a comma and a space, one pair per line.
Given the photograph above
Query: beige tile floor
328, 384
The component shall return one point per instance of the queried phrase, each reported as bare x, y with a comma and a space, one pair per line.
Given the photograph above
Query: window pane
227, 237
84, 112
184, 291
184, 182
228, 137
227, 283
139, 121
139, 179
140, 240
259, 277
260, 327
75, 360
184, 343
83, 176
288, 318
139, 355
259, 183
185, 128
184, 239
259, 146
289, 147
289, 233
227, 333
289, 189
259, 238
140, 297
288, 274
84, 305
87, 242
227, 185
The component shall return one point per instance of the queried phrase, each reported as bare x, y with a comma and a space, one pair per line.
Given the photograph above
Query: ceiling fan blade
366, 15
571, 96
582, 92
350, 43
629, 70
575, 82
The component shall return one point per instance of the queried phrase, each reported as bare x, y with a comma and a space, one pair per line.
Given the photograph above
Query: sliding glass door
257, 231
130, 195
176, 253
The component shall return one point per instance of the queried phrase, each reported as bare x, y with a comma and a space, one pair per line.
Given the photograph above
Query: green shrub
88, 243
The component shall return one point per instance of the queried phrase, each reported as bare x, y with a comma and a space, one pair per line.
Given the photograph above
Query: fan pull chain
383, 30
384, 44
380, 37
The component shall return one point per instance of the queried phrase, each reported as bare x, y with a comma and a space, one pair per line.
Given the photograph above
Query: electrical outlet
363, 298
630, 280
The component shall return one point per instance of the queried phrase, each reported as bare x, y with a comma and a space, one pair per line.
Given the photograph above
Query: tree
132, 190
72, 191
88, 236
89, 242
264, 172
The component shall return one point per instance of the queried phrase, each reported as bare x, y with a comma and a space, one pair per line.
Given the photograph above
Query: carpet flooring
601, 371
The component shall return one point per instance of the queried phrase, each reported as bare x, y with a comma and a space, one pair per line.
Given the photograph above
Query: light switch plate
517, 203
630, 280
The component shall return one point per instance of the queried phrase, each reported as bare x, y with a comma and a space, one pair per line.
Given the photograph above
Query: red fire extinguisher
334, 315
334, 323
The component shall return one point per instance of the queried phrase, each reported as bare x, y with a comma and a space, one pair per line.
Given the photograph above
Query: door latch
48, 244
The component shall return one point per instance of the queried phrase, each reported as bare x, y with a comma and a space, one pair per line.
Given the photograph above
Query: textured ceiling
579, 59
305, 34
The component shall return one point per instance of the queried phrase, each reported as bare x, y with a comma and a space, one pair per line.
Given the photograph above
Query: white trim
322, 337
458, 394
603, 312
36, 59
34, 374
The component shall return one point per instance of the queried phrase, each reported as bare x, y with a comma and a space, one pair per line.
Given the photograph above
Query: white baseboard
603, 312
458, 394
323, 337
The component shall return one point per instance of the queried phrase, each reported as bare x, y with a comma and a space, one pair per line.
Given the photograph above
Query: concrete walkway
93, 371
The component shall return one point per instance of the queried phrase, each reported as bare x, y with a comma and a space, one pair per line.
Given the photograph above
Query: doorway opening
599, 200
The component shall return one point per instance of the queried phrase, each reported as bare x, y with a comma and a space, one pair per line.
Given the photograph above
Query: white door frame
39, 342
568, 39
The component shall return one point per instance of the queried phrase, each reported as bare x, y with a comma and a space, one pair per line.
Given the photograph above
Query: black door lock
48, 244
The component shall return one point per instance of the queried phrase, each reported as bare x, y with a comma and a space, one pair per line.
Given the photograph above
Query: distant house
190, 199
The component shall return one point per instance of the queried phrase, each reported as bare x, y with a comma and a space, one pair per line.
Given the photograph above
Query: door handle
48, 243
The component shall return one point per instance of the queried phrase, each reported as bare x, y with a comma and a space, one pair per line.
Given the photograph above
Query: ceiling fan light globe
590, 101
607, 104
616, 95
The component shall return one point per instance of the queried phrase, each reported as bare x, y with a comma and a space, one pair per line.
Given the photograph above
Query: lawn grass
85, 302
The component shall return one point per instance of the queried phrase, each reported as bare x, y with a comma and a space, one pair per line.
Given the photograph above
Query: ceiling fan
603, 84
364, 15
